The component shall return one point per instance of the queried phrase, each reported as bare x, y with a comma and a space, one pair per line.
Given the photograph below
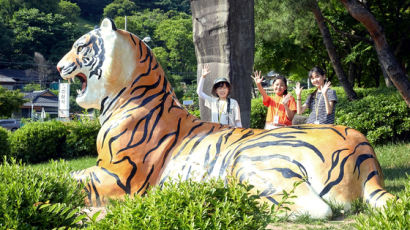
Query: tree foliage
289, 42
68, 9
171, 40
10, 101
49, 34
120, 8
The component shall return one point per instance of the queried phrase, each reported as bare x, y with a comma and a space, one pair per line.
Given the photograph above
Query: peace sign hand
205, 70
258, 77
326, 87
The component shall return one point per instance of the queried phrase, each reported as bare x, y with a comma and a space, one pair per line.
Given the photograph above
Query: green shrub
4, 142
196, 113
81, 138
38, 199
258, 113
39, 141
188, 205
396, 214
380, 114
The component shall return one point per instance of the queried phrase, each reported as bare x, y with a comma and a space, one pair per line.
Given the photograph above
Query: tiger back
147, 137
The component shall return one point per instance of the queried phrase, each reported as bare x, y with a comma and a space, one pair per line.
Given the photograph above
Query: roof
44, 98
4, 79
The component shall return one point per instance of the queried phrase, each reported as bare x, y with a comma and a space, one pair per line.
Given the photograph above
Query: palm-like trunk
331, 50
224, 38
386, 56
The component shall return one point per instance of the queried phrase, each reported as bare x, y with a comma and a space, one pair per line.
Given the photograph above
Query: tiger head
103, 60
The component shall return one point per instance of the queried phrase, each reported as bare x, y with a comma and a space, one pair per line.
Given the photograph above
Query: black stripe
112, 139
113, 100
132, 38
97, 195
370, 176
359, 161
335, 161
373, 194
146, 179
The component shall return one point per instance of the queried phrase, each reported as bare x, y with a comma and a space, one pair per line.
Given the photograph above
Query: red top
275, 108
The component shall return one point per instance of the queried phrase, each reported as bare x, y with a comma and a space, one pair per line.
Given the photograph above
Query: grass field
394, 159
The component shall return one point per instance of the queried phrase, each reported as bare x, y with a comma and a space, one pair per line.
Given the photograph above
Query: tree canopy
10, 101
289, 42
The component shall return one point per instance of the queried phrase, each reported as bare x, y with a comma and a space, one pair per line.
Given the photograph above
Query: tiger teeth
73, 79
78, 91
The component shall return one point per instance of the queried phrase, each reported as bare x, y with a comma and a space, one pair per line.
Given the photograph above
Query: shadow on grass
396, 174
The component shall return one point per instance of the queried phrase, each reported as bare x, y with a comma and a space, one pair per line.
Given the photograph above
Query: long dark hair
320, 72
280, 77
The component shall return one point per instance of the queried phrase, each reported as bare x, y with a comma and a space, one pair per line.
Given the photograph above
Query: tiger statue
147, 137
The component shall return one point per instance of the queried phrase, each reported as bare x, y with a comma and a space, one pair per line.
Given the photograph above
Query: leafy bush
38, 141
81, 138
189, 205
258, 113
380, 114
38, 199
4, 142
396, 214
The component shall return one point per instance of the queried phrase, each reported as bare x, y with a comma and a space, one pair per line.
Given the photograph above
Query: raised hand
257, 77
326, 87
205, 70
298, 89
286, 99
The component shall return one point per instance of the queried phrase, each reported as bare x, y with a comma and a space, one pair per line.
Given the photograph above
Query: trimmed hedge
81, 139
41, 141
43, 198
38, 141
381, 114
258, 113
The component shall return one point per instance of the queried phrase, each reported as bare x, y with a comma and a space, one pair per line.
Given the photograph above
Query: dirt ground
345, 224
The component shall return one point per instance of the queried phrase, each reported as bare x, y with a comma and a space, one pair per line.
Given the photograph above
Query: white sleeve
200, 90
238, 122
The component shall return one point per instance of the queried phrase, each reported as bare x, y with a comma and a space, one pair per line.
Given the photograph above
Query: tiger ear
107, 24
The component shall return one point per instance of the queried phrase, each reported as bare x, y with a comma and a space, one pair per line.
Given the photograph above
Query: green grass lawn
75, 164
394, 159
395, 162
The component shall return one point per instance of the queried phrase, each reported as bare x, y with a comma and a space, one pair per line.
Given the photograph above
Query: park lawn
395, 162
394, 159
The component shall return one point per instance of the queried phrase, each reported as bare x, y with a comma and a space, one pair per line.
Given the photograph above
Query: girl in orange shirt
281, 106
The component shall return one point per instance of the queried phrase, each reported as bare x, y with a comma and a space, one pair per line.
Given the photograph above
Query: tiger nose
59, 68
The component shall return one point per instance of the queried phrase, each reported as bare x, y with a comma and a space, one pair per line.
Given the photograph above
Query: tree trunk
386, 56
387, 80
352, 73
224, 38
331, 50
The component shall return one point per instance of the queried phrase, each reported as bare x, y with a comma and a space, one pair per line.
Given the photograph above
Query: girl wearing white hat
224, 110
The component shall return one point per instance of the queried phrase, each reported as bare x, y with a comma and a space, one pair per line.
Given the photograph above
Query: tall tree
386, 56
224, 38
327, 39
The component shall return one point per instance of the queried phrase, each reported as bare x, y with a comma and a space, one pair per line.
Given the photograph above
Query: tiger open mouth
83, 80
